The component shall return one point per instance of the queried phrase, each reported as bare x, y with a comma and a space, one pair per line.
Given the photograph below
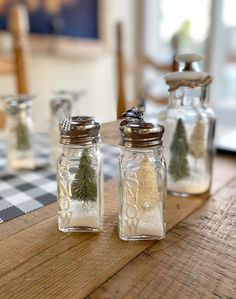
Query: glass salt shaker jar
79, 176
60, 108
142, 182
190, 125
19, 132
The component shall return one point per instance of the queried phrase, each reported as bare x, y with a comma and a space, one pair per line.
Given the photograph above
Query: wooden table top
197, 259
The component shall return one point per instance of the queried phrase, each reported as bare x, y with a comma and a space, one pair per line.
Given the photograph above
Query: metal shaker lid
140, 135
61, 99
79, 130
15, 103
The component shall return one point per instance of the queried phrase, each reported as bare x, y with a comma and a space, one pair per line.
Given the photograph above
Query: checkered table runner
25, 191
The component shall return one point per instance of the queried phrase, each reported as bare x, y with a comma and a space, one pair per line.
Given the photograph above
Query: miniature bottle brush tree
197, 142
23, 137
147, 192
178, 167
84, 186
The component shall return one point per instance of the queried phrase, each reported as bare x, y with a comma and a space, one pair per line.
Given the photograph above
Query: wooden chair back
120, 68
18, 25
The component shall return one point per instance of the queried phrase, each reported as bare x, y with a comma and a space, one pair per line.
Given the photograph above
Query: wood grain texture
196, 260
39, 256
38, 261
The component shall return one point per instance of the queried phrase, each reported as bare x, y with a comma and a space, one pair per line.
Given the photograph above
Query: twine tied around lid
188, 83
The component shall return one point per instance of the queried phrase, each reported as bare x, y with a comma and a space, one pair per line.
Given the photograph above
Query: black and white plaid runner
25, 191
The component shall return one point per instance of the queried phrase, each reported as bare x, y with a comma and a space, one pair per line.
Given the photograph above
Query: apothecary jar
19, 129
79, 176
142, 182
190, 125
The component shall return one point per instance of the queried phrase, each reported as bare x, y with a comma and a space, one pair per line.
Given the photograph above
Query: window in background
222, 57
228, 75
184, 26
172, 27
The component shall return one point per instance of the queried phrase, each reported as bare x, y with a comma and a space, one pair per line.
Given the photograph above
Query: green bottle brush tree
22, 137
84, 186
178, 167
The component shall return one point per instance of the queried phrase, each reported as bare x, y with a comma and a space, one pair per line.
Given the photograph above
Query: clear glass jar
19, 130
80, 177
190, 126
142, 183
60, 108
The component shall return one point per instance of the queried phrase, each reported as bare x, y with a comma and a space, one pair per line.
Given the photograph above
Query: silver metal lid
79, 130
140, 135
61, 100
15, 103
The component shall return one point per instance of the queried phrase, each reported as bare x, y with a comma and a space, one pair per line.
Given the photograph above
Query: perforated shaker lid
16, 103
141, 134
61, 99
79, 130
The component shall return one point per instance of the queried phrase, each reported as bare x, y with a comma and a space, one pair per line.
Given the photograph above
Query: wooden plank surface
196, 260
38, 261
34, 259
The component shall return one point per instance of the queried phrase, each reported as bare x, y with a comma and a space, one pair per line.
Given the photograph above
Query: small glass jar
142, 182
190, 126
80, 177
19, 132
60, 108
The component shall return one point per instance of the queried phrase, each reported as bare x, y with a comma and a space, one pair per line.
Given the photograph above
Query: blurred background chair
18, 25
122, 67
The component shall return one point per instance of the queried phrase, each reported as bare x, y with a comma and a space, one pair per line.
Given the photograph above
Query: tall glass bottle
79, 176
190, 125
19, 132
142, 182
